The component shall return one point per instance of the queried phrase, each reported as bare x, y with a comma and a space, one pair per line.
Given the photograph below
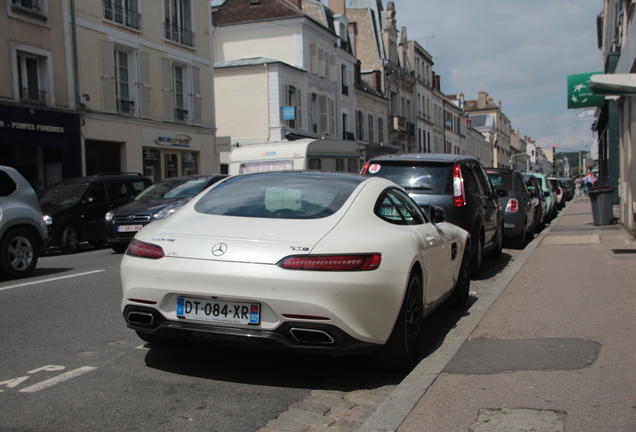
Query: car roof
429, 157
501, 170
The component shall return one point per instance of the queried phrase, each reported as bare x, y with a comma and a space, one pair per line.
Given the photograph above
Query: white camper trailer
312, 154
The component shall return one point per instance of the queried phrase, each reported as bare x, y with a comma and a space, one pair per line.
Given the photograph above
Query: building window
292, 98
359, 125
180, 113
178, 21
345, 82
381, 130
36, 9
125, 12
370, 126
122, 84
29, 80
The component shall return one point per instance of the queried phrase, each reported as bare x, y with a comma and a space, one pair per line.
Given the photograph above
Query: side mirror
502, 193
438, 214
546, 194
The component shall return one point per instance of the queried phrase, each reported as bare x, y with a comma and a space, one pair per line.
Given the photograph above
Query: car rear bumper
315, 338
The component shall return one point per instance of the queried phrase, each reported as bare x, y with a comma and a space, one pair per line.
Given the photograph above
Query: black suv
459, 185
74, 209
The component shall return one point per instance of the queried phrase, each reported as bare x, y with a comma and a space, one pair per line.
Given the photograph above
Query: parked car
550, 196
568, 185
74, 209
159, 201
538, 199
316, 262
519, 211
458, 184
22, 229
559, 192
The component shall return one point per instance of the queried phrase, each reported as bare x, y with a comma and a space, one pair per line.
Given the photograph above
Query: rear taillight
332, 262
141, 249
513, 205
459, 199
365, 168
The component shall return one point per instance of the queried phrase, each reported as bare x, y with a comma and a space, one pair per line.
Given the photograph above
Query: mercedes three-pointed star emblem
219, 249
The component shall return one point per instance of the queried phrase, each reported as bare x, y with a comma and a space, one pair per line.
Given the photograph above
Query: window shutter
166, 83
332, 117
145, 98
299, 110
324, 119
197, 97
107, 65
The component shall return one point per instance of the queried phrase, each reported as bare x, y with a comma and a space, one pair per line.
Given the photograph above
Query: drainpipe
75, 65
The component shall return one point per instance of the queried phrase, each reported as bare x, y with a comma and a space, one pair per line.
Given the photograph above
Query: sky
518, 51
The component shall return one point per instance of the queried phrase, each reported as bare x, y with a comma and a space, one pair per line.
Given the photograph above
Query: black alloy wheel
70, 240
401, 351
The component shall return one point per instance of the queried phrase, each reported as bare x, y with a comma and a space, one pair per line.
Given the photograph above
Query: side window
138, 186
97, 194
7, 185
471, 186
396, 207
481, 173
521, 184
119, 190
474, 177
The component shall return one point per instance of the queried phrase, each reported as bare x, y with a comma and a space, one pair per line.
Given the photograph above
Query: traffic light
554, 161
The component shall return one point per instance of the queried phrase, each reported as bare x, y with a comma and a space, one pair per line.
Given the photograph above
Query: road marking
50, 280
58, 379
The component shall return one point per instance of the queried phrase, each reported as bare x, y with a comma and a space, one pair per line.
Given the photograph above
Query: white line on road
50, 280
58, 379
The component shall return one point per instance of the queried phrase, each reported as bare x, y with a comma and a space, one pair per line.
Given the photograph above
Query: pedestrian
588, 183
578, 183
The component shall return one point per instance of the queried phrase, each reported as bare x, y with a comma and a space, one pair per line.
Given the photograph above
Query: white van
313, 154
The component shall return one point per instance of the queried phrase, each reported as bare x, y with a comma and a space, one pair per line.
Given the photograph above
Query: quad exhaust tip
312, 336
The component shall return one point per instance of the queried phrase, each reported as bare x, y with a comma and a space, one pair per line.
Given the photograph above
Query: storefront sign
579, 93
170, 139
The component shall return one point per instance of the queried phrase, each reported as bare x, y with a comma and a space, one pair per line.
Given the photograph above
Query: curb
396, 408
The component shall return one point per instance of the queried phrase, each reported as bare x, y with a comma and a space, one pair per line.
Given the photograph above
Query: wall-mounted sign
289, 113
579, 93
170, 139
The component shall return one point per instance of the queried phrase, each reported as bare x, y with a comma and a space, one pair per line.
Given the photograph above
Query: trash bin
602, 207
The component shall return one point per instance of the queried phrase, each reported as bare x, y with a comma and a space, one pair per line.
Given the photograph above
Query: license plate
129, 228
219, 311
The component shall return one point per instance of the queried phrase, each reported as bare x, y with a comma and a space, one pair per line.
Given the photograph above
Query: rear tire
477, 258
119, 248
519, 241
19, 253
70, 240
401, 351
459, 298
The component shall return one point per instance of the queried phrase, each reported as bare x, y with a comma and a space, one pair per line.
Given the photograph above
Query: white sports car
317, 262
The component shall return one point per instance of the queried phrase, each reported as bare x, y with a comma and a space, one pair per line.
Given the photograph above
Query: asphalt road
68, 362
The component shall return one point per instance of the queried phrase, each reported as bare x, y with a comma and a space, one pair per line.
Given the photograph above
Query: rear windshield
279, 195
432, 178
500, 181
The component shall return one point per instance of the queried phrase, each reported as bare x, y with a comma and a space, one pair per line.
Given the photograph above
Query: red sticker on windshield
373, 169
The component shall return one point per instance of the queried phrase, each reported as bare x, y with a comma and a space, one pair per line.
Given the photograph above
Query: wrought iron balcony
178, 34
125, 106
180, 114
32, 96
121, 15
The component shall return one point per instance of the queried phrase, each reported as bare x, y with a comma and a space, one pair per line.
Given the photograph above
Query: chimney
437, 82
297, 3
482, 99
377, 81
338, 7
353, 36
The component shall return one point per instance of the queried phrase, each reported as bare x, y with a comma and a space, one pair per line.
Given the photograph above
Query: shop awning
613, 84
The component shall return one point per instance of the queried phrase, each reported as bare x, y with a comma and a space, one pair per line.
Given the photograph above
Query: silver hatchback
22, 228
